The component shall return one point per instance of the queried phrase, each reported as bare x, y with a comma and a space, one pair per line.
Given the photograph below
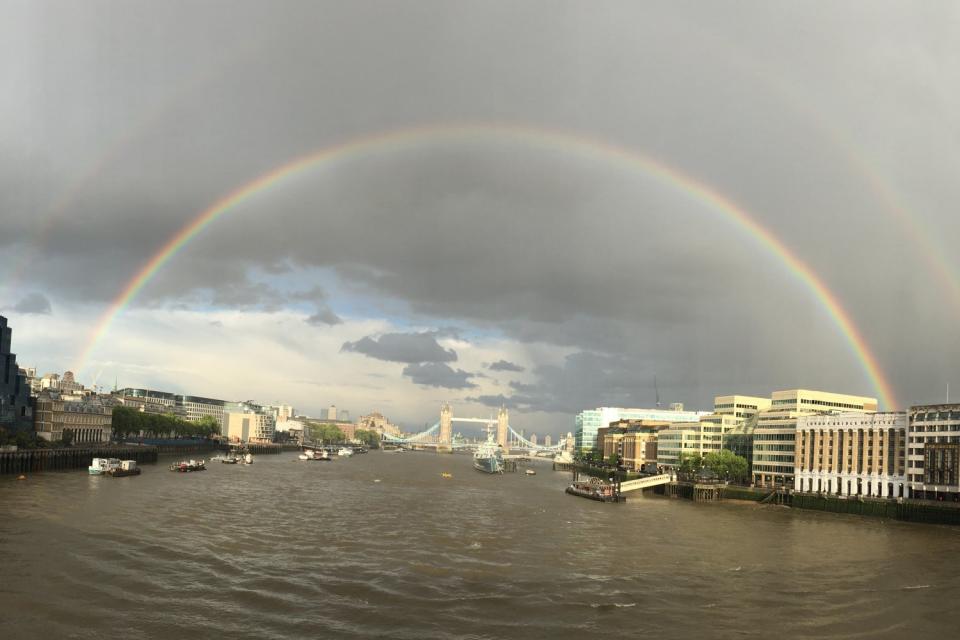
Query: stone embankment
70, 458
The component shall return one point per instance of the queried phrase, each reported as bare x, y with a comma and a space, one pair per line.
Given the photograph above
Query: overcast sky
485, 267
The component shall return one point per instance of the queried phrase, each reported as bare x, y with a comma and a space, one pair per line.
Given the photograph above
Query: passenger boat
100, 466
186, 466
345, 452
488, 457
596, 490
126, 468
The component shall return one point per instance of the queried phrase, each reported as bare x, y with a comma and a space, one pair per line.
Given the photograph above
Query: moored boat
345, 452
126, 468
187, 466
489, 456
530, 472
315, 454
100, 466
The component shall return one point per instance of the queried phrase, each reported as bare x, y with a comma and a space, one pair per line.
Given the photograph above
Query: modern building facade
587, 423
852, 454
740, 406
933, 452
774, 438
248, 422
196, 407
15, 407
706, 436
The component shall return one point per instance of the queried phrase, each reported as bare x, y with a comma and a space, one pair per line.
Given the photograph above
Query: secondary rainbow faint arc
564, 142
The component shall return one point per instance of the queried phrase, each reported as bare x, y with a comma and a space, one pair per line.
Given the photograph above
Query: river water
289, 549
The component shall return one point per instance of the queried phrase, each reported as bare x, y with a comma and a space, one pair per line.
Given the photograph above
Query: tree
67, 437
327, 433
689, 464
369, 438
726, 465
613, 459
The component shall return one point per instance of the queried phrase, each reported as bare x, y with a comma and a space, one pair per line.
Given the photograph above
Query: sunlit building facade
775, 436
852, 454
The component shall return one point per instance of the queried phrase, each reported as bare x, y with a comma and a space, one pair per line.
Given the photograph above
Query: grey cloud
504, 365
495, 401
33, 303
324, 317
559, 244
402, 347
438, 374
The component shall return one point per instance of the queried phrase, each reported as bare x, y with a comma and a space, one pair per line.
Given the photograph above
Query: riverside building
15, 409
588, 423
706, 436
84, 420
933, 452
742, 407
852, 454
774, 438
248, 422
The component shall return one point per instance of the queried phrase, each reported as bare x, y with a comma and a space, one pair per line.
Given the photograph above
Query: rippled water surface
289, 549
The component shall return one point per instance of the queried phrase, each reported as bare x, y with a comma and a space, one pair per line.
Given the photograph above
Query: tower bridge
440, 435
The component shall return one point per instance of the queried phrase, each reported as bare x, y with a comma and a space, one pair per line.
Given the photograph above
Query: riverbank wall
905, 510
69, 459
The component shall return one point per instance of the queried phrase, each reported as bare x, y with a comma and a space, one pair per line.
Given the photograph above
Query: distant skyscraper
547, 440
332, 412
533, 438
15, 411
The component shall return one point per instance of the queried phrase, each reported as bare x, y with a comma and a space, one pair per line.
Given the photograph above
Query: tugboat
126, 468
489, 456
187, 466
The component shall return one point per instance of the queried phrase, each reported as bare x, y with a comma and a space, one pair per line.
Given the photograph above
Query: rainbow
562, 142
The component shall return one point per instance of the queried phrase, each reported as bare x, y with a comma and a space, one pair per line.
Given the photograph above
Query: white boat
530, 472
315, 454
345, 452
100, 466
247, 459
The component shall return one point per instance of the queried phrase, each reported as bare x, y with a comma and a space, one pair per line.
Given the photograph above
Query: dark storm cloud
403, 347
108, 153
438, 374
33, 303
324, 317
505, 365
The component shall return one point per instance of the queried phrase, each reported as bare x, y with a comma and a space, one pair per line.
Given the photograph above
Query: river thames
381, 545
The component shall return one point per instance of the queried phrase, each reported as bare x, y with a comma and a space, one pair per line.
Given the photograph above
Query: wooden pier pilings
36, 460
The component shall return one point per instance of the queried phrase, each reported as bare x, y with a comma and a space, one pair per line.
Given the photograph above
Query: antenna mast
656, 390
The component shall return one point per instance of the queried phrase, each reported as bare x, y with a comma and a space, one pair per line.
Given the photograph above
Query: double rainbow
561, 142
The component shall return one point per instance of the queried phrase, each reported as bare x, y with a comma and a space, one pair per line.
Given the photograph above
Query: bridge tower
503, 421
446, 424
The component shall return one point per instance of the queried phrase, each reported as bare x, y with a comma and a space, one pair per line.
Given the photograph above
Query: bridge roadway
645, 483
